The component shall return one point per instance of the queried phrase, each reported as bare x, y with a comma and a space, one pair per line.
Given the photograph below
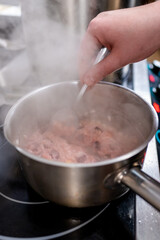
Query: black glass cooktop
24, 214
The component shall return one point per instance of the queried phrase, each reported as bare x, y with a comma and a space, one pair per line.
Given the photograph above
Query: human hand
130, 35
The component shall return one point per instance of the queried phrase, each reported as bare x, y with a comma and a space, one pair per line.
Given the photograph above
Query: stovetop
24, 214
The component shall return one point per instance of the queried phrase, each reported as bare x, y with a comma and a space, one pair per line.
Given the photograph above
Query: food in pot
90, 142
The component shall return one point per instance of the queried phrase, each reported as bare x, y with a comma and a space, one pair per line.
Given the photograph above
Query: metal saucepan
86, 184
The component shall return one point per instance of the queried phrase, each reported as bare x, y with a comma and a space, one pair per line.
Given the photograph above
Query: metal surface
101, 55
143, 185
112, 5
147, 218
80, 185
82, 92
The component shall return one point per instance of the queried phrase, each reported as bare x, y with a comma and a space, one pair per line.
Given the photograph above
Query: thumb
100, 70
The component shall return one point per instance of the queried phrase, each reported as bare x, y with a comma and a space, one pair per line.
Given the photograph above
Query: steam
52, 37
3, 112
53, 31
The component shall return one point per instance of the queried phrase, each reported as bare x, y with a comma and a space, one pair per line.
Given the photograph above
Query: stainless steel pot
83, 185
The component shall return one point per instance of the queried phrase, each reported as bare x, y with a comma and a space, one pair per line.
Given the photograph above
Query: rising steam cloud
53, 30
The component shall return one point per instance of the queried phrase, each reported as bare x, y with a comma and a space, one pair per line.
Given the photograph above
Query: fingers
98, 35
87, 54
97, 72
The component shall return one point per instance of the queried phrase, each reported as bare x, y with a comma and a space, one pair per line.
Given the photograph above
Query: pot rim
81, 165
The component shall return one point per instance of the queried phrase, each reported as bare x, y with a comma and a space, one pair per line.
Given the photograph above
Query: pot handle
145, 186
